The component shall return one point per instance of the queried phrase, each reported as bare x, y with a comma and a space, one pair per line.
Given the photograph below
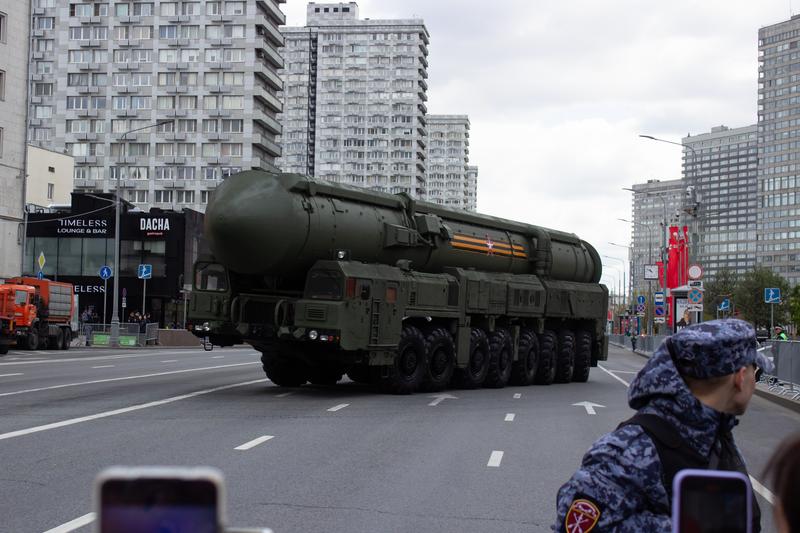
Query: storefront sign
86, 289
153, 226
83, 226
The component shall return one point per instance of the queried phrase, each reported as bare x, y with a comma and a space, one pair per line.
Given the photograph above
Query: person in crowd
634, 338
86, 319
783, 470
687, 398
780, 334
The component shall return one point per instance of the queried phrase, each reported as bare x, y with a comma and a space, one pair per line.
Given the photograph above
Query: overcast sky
558, 91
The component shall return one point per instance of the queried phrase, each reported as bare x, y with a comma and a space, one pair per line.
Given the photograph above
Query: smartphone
706, 501
159, 500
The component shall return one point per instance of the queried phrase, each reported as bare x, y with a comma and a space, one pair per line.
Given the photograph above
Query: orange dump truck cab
36, 313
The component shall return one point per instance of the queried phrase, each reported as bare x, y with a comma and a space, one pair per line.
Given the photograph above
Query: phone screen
154, 505
713, 505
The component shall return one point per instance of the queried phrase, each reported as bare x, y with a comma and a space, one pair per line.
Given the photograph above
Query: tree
749, 296
721, 286
794, 306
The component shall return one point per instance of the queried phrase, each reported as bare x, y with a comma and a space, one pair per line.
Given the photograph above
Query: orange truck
36, 314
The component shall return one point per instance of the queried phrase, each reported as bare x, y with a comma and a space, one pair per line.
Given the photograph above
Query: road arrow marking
589, 406
440, 398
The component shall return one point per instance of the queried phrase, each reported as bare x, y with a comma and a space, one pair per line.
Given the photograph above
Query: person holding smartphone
687, 398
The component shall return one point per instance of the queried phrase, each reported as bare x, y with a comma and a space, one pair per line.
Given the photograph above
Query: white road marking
440, 398
72, 525
255, 442
26, 361
337, 407
761, 489
601, 367
589, 406
510, 417
517, 396
624, 371
106, 414
217, 356
284, 395
141, 376
169, 361
103, 366
495, 458
9, 375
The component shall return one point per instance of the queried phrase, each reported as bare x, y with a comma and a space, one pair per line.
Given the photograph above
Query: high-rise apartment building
653, 204
720, 208
14, 28
450, 181
354, 99
778, 213
206, 71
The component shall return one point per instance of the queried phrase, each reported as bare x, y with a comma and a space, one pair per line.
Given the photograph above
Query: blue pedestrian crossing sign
772, 295
725, 305
145, 272
640, 299
105, 272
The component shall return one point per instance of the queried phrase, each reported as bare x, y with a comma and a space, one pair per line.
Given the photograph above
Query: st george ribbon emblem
582, 516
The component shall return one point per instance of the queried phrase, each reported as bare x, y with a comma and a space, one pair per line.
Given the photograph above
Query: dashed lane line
510, 417
517, 396
124, 378
160, 353
338, 407
138, 407
284, 395
103, 366
255, 442
9, 375
495, 459
169, 361
72, 525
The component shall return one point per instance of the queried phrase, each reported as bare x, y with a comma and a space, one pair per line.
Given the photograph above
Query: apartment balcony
269, 146
36, 99
266, 121
268, 99
177, 42
267, 52
85, 184
127, 66
423, 84
86, 159
219, 66
422, 131
38, 11
423, 73
423, 48
423, 61
176, 136
37, 121
87, 112
90, 43
177, 113
174, 160
179, 19
272, 10
177, 66
127, 89
125, 112
176, 89
217, 136
217, 19
86, 136
91, 20
219, 113
40, 77
90, 66
130, 20
268, 74
422, 108
268, 30
219, 89
124, 43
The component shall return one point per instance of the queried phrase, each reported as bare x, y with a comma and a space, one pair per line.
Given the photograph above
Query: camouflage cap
716, 348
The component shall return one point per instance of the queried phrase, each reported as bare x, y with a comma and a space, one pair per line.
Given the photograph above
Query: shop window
69, 257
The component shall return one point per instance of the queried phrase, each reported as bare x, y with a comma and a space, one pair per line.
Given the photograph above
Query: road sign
696, 283
145, 272
640, 309
659, 320
695, 272
659, 310
695, 296
640, 300
40, 275
651, 272
695, 307
41, 260
725, 305
658, 297
124, 302
772, 295
105, 272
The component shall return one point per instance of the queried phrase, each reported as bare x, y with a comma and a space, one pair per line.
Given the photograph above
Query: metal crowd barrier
644, 343
786, 357
130, 334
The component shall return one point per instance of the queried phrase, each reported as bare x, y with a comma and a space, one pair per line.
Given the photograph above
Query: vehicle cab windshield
211, 277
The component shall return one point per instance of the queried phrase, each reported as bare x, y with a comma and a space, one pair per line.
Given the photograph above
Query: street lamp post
114, 340
649, 262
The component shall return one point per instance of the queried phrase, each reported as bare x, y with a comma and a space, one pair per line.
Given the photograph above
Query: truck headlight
312, 335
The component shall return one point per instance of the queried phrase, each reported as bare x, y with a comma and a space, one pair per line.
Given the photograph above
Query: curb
769, 396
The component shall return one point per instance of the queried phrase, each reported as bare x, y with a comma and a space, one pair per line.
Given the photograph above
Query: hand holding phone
711, 501
159, 500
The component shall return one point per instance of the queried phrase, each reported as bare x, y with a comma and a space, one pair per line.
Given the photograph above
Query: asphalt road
340, 459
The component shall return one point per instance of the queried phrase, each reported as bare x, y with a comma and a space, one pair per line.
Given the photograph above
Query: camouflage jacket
618, 486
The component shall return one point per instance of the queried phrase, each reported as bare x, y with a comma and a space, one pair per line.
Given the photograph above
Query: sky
558, 91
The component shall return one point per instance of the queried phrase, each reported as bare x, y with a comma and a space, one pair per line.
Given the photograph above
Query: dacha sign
153, 226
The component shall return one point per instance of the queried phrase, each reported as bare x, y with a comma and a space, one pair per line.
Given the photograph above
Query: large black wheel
546, 371
3, 349
408, 369
32, 340
280, 368
57, 341
523, 371
67, 340
565, 360
440, 351
502, 353
583, 356
474, 374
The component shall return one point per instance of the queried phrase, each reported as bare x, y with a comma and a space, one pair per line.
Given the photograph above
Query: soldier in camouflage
687, 396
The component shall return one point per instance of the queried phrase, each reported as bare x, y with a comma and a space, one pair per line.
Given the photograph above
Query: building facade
49, 178
721, 207
778, 211
450, 181
14, 39
654, 203
206, 72
354, 100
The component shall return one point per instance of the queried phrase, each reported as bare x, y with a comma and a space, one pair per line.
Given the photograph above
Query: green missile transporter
325, 279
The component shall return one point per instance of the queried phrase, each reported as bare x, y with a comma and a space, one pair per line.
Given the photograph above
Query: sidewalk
769, 392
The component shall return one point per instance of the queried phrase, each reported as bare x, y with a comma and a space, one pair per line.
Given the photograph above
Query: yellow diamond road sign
41, 260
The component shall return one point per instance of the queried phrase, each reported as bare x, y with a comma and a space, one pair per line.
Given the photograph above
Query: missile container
325, 279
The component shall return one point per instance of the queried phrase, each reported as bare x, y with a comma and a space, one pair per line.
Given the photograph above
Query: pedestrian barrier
130, 334
644, 343
786, 379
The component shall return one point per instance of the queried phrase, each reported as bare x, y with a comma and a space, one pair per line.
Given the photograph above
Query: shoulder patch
582, 515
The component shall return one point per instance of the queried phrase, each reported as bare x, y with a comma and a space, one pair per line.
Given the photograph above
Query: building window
1, 143
51, 189
2, 84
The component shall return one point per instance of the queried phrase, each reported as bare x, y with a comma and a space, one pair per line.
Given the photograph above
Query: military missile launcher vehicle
325, 279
